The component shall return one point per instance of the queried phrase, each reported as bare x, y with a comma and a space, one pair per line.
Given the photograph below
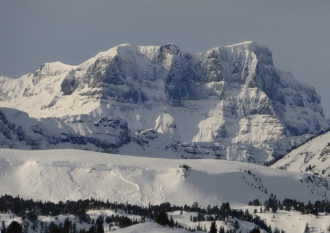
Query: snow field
59, 175
314, 153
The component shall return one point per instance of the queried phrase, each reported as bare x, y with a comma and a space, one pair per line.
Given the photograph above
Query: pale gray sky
71, 31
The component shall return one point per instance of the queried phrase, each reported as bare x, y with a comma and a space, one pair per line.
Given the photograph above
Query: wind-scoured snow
59, 175
311, 157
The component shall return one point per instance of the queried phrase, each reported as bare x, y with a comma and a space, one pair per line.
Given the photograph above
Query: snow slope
74, 174
311, 157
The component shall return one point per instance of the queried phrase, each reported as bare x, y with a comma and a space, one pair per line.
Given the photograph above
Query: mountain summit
230, 95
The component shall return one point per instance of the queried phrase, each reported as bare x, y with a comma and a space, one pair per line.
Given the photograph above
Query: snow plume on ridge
227, 95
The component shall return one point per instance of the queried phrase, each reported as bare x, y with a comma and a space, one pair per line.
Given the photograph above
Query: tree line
30, 210
273, 204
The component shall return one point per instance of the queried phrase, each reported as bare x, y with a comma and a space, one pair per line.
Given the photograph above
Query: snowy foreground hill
59, 175
230, 100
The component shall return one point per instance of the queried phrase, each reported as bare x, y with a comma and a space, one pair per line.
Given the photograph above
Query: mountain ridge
226, 95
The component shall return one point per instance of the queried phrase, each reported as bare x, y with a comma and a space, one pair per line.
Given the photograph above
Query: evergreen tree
3, 227
126, 222
270, 228
52, 228
255, 230
274, 209
66, 227
171, 222
276, 230
91, 229
306, 228
213, 228
199, 228
14, 227
236, 225
99, 228
74, 227
26, 227
162, 218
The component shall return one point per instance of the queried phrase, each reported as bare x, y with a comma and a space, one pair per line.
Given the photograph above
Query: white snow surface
59, 175
311, 157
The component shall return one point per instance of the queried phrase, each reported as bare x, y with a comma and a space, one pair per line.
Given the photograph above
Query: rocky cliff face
228, 96
18, 130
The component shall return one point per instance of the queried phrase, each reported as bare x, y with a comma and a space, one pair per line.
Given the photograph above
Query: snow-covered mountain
311, 157
230, 100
